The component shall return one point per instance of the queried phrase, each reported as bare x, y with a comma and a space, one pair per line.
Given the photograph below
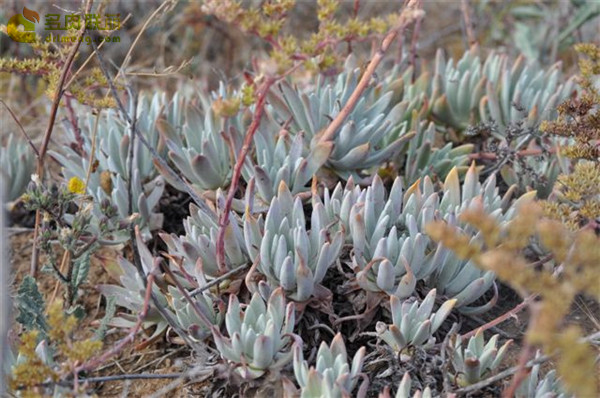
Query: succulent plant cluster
260, 337
413, 324
332, 376
473, 91
477, 360
16, 165
364, 139
391, 250
107, 160
342, 218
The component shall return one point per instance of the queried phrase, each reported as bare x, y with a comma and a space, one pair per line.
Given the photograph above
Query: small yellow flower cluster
76, 186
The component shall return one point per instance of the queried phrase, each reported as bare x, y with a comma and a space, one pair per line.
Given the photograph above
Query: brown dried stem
259, 109
48, 133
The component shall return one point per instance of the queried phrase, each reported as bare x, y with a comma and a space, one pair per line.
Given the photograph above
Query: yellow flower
76, 185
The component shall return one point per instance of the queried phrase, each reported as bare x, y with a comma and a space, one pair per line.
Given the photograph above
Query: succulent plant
260, 336
534, 386
290, 256
201, 147
457, 89
109, 180
461, 279
361, 142
398, 262
197, 248
476, 361
474, 91
280, 156
404, 390
17, 161
332, 377
423, 158
523, 92
130, 294
413, 324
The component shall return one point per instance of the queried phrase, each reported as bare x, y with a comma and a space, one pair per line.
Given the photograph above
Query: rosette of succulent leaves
110, 170
404, 388
260, 336
363, 141
190, 313
332, 376
513, 98
285, 254
413, 324
478, 360
17, 164
536, 386
391, 250
288, 255
202, 144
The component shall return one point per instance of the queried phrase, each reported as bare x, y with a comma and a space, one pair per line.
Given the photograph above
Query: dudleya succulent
362, 142
332, 376
288, 255
413, 324
17, 165
260, 336
478, 360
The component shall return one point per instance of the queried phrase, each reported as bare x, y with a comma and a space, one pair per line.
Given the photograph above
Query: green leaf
31, 306
81, 268
108, 315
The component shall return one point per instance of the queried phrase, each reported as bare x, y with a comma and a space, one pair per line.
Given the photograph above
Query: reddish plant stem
12, 114
48, 133
524, 152
237, 171
521, 373
464, 7
501, 318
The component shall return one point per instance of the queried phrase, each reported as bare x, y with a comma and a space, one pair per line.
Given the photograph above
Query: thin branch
46, 140
519, 307
259, 109
197, 309
218, 280
521, 372
464, 8
37, 154
151, 18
